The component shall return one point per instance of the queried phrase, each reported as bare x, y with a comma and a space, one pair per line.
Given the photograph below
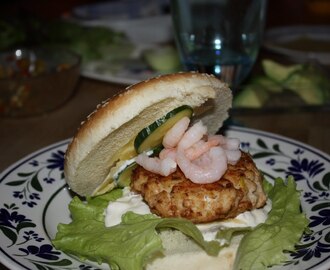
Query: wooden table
21, 136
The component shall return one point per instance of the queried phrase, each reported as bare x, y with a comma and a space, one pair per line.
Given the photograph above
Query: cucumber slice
111, 181
268, 84
251, 97
123, 179
278, 72
306, 86
152, 136
163, 59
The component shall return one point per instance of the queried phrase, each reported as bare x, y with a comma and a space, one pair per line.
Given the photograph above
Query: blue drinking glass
221, 37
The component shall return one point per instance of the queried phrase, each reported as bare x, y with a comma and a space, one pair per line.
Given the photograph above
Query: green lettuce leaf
129, 245
125, 246
227, 234
266, 244
94, 208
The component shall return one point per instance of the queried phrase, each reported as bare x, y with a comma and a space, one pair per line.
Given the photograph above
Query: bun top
118, 120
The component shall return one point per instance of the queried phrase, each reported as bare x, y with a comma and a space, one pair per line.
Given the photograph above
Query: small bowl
36, 81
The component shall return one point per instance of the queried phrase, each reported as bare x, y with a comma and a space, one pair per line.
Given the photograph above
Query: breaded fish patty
239, 190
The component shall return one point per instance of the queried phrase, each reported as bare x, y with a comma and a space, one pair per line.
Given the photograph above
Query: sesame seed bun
118, 120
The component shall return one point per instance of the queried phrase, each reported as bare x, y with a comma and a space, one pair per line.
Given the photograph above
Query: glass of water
221, 37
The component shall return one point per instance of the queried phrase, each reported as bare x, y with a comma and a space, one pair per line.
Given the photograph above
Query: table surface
21, 136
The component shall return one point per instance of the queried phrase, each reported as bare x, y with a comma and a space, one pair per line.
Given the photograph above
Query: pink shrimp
199, 148
196, 150
209, 168
168, 153
232, 144
192, 135
156, 165
233, 156
217, 139
202, 158
174, 134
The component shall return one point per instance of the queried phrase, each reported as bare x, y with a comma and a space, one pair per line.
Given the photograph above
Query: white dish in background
34, 199
306, 43
123, 9
124, 75
147, 31
144, 33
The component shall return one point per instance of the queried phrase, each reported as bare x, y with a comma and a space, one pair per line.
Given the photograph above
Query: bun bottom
183, 253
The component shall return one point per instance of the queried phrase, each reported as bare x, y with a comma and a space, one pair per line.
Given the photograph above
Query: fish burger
156, 142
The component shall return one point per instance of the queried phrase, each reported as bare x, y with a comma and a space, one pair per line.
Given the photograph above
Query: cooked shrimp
217, 139
199, 148
174, 134
160, 166
210, 171
192, 135
202, 158
232, 144
227, 143
168, 153
233, 156
196, 150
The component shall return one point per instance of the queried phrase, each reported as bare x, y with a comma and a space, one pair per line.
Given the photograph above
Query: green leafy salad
130, 244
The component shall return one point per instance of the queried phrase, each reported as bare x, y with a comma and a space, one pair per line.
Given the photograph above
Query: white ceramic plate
114, 10
126, 75
144, 33
305, 43
34, 199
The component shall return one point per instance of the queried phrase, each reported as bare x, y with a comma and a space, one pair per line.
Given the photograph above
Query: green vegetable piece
252, 96
265, 245
152, 136
228, 233
310, 85
125, 246
124, 177
129, 245
94, 208
163, 59
267, 84
278, 72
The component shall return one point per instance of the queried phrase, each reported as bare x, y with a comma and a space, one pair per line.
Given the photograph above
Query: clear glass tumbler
221, 37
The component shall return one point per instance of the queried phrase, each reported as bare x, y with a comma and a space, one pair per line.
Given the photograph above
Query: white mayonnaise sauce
128, 202
246, 219
131, 201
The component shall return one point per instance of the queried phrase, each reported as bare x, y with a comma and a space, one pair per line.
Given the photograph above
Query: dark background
280, 12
